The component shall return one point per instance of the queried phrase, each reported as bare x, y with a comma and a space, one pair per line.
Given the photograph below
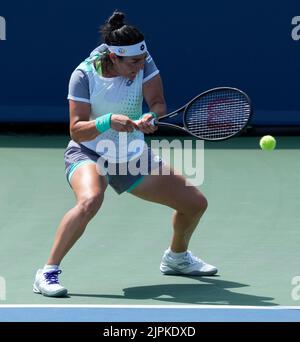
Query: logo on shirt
129, 83
121, 51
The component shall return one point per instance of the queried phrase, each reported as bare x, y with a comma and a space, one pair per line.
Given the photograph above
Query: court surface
250, 232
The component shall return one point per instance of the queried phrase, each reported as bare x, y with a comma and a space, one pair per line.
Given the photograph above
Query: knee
197, 205
89, 205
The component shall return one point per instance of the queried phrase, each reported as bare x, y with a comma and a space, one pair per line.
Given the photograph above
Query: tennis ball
267, 143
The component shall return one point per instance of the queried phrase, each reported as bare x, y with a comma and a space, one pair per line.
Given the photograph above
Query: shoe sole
35, 289
171, 271
61, 293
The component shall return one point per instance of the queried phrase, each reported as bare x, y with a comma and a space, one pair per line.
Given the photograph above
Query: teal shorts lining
135, 184
75, 166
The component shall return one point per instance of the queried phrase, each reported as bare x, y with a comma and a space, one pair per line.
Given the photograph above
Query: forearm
84, 131
89, 130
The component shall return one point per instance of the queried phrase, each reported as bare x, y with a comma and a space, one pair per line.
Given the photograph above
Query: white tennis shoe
46, 283
187, 265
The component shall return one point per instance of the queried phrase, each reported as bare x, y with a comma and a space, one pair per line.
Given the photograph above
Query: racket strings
218, 115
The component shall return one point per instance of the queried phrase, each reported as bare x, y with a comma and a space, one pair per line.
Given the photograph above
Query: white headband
127, 50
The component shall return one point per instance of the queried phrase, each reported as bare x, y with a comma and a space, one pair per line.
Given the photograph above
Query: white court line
117, 306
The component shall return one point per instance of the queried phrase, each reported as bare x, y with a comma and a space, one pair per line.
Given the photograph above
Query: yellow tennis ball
267, 143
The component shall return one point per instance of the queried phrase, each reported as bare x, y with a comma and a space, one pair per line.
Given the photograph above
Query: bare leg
189, 204
89, 189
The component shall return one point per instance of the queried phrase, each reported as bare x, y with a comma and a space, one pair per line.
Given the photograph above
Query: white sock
51, 267
176, 255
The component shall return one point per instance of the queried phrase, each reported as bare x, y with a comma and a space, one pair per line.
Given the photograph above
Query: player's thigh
87, 183
172, 190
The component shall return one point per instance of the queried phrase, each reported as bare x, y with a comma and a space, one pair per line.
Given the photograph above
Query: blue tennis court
144, 313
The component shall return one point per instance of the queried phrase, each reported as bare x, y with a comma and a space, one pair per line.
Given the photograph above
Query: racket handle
153, 122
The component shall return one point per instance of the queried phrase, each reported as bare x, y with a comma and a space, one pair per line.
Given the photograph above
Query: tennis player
106, 92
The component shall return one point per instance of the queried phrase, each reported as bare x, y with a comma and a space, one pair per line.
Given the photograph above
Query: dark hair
116, 32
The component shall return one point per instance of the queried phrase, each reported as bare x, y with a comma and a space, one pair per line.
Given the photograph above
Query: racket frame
185, 108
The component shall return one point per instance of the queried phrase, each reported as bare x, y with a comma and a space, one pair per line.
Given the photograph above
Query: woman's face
128, 67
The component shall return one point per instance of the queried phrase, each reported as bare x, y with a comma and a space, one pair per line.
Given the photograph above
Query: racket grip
153, 122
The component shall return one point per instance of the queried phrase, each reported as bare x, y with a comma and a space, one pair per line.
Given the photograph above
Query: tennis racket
217, 114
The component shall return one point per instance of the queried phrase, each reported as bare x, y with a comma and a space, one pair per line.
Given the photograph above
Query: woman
106, 92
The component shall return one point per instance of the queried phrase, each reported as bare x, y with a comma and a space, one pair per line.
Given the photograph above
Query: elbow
159, 102
74, 136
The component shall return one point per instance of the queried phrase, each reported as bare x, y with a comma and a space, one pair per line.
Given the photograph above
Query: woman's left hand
144, 124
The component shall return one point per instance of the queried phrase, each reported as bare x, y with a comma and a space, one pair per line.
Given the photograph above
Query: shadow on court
208, 291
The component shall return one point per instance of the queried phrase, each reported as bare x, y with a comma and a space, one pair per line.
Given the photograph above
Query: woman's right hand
122, 123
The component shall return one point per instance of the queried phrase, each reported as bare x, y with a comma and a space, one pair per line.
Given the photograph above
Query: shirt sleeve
79, 87
150, 69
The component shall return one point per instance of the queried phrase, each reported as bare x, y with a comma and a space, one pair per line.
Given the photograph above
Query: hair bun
116, 21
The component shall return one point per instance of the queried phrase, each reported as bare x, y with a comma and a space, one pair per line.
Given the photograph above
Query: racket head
217, 114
